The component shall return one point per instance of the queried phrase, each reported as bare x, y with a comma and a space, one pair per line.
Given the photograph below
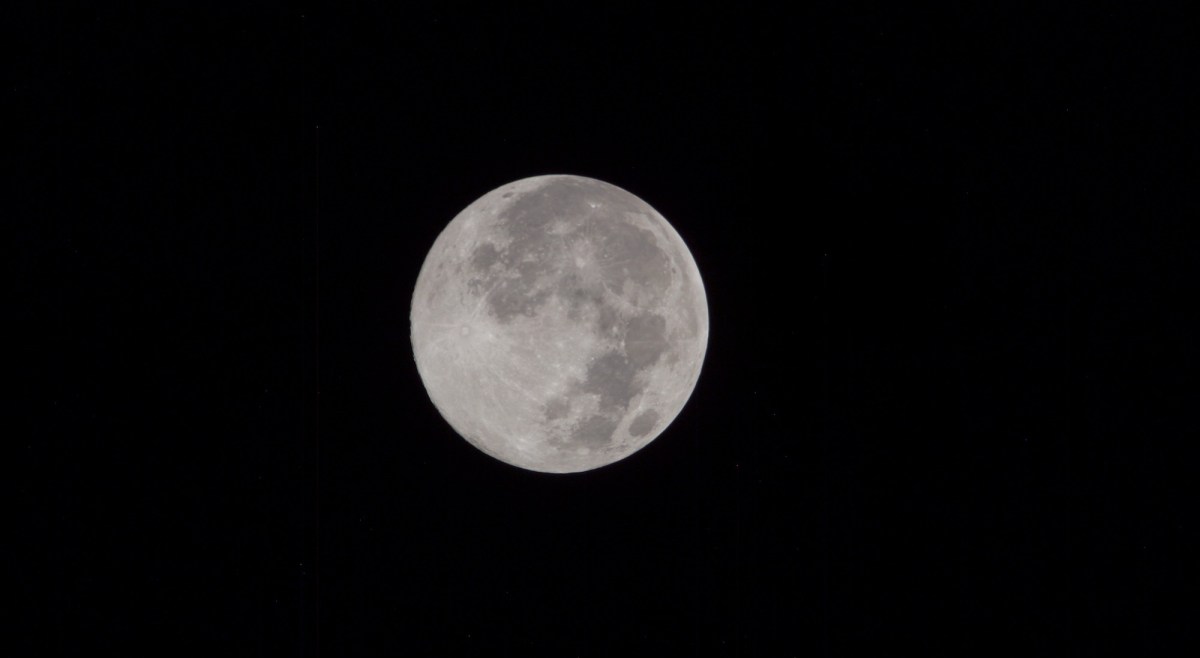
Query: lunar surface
559, 323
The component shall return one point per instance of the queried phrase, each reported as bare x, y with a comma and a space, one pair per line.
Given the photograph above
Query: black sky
949, 400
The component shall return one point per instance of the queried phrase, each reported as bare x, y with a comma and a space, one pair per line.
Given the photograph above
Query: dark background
949, 402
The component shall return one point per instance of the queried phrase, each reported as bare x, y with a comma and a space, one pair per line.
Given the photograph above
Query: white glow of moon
559, 323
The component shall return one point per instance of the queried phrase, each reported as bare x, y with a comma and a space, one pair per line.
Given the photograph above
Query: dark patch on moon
513, 297
645, 339
595, 431
557, 409
580, 295
612, 378
519, 294
644, 422
506, 195
606, 324
632, 253
484, 256
532, 257
533, 210
571, 281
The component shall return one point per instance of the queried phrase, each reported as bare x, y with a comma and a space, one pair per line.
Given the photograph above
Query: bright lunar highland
559, 323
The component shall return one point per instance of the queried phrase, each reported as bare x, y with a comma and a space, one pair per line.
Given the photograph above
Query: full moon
559, 323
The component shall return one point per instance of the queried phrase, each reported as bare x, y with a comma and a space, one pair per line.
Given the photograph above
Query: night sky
949, 402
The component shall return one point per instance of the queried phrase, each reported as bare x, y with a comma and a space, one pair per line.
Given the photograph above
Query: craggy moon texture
559, 323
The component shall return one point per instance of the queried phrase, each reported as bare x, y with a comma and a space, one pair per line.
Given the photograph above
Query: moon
559, 323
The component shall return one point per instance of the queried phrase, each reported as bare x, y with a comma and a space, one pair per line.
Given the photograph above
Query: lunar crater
644, 422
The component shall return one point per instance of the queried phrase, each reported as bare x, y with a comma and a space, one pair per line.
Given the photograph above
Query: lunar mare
559, 323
